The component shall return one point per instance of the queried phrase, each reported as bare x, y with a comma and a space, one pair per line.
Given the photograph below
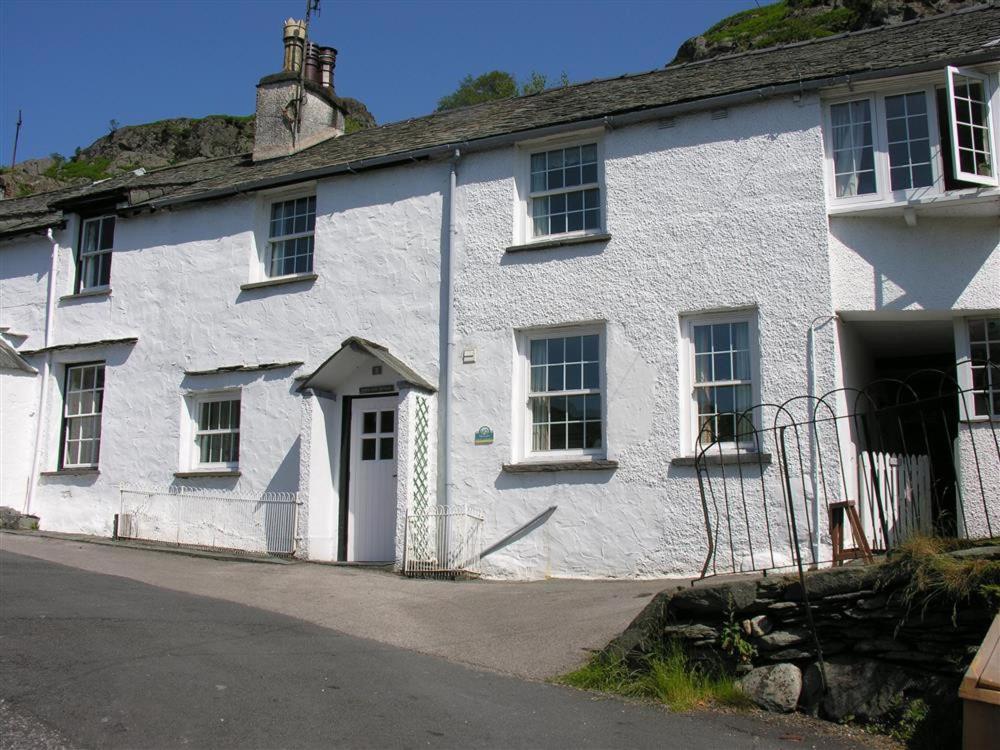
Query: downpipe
448, 350
44, 379
817, 322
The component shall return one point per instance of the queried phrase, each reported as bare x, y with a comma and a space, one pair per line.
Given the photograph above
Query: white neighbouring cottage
339, 315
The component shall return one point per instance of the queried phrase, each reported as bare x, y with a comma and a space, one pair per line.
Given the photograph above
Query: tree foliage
497, 84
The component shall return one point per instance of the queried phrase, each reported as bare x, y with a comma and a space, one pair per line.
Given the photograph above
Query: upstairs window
972, 151
290, 237
82, 409
925, 140
97, 236
565, 191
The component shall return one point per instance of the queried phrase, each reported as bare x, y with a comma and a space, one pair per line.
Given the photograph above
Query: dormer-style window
290, 237
913, 142
93, 268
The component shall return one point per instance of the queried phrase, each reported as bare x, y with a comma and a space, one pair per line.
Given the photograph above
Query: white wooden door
371, 506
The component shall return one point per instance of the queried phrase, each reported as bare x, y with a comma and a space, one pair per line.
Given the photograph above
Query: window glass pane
592, 409
538, 379
574, 408
556, 350
555, 378
557, 409
574, 435
385, 448
590, 348
557, 437
852, 148
368, 422
387, 420
702, 339
574, 377
591, 376
368, 449
540, 437
593, 435
540, 410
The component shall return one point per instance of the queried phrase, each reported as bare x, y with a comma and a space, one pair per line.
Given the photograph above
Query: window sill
562, 242
724, 459
532, 467
207, 473
965, 202
99, 291
278, 281
80, 471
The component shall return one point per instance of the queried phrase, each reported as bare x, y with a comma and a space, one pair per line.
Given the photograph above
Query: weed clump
667, 675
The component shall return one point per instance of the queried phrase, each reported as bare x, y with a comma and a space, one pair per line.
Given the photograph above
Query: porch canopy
356, 353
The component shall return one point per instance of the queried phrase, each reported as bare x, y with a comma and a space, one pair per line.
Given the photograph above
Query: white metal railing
261, 522
445, 540
903, 484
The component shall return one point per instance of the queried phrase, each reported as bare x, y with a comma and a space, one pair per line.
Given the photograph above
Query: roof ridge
986, 5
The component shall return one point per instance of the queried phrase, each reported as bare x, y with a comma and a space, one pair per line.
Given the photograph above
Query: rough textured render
711, 214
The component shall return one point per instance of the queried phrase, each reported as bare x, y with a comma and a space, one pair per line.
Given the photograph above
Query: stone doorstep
154, 547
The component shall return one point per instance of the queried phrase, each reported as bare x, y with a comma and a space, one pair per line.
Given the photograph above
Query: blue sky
73, 66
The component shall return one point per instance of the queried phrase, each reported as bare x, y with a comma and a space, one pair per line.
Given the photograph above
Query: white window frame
963, 351
85, 257
260, 256
880, 140
68, 419
271, 241
522, 397
524, 228
194, 403
876, 94
689, 399
950, 73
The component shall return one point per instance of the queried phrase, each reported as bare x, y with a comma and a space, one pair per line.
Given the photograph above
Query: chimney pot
327, 62
312, 63
295, 39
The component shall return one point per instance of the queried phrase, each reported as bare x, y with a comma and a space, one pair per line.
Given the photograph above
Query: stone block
716, 600
782, 639
774, 688
861, 689
692, 632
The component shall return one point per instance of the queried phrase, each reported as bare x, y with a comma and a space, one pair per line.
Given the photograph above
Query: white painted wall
176, 279
708, 214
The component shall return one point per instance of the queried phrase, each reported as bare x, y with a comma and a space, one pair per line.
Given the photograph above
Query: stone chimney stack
294, 111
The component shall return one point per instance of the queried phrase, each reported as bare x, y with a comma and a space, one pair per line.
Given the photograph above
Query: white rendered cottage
536, 306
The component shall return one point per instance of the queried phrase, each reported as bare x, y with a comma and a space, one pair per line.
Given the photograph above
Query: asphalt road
92, 660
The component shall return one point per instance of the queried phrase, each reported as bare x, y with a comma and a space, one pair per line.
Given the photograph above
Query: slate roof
965, 36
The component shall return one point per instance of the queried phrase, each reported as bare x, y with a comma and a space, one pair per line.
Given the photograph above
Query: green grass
779, 24
668, 676
77, 168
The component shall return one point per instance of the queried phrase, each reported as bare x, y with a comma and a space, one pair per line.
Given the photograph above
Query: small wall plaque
366, 389
484, 436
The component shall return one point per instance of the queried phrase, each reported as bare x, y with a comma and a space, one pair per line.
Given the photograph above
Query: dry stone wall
879, 650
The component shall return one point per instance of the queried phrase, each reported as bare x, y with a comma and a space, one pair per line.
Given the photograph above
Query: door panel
371, 519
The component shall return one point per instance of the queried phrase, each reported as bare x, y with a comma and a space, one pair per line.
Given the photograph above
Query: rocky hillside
799, 20
156, 144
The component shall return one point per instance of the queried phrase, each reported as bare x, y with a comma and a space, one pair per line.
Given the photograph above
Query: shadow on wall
931, 267
531, 480
521, 532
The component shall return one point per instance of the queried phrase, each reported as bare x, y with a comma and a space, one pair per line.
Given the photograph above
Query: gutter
50, 312
607, 121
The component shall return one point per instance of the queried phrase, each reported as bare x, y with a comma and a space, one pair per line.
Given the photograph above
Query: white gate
901, 484
444, 540
262, 522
